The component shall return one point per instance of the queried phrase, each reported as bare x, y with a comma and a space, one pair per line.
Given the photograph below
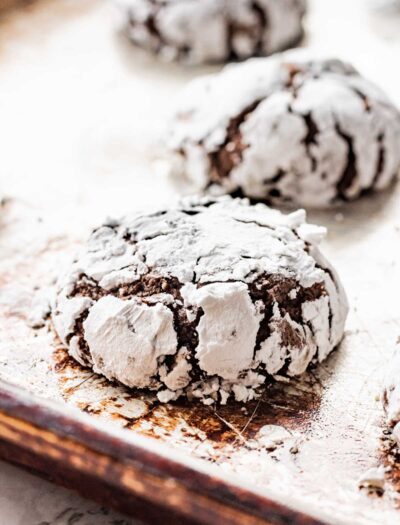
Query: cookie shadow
352, 220
293, 405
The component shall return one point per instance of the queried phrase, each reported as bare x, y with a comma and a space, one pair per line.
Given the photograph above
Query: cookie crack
262, 16
365, 99
380, 166
295, 71
145, 286
259, 224
310, 138
185, 329
208, 255
230, 153
78, 331
271, 289
330, 274
350, 171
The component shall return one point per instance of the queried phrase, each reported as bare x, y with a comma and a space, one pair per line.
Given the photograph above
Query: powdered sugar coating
206, 299
196, 31
286, 129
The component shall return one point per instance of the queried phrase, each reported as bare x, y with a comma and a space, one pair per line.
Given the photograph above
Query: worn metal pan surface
80, 116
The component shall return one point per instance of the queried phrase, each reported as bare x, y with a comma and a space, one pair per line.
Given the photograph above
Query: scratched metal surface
80, 116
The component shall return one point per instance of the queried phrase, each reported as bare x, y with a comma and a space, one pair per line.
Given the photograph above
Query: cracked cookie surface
208, 299
197, 31
286, 130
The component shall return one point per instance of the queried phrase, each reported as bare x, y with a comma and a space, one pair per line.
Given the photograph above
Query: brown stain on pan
279, 405
389, 457
292, 406
62, 361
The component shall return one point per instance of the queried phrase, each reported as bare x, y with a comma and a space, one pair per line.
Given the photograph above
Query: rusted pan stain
64, 361
292, 406
390, 458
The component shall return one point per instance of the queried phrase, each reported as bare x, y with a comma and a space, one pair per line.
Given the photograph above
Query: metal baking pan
81, 113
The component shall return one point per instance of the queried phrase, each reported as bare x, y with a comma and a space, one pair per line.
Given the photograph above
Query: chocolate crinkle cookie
286, 130
196, 31
206, 300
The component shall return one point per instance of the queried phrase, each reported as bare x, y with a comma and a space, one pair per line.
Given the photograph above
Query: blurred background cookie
288, 130
198, 31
